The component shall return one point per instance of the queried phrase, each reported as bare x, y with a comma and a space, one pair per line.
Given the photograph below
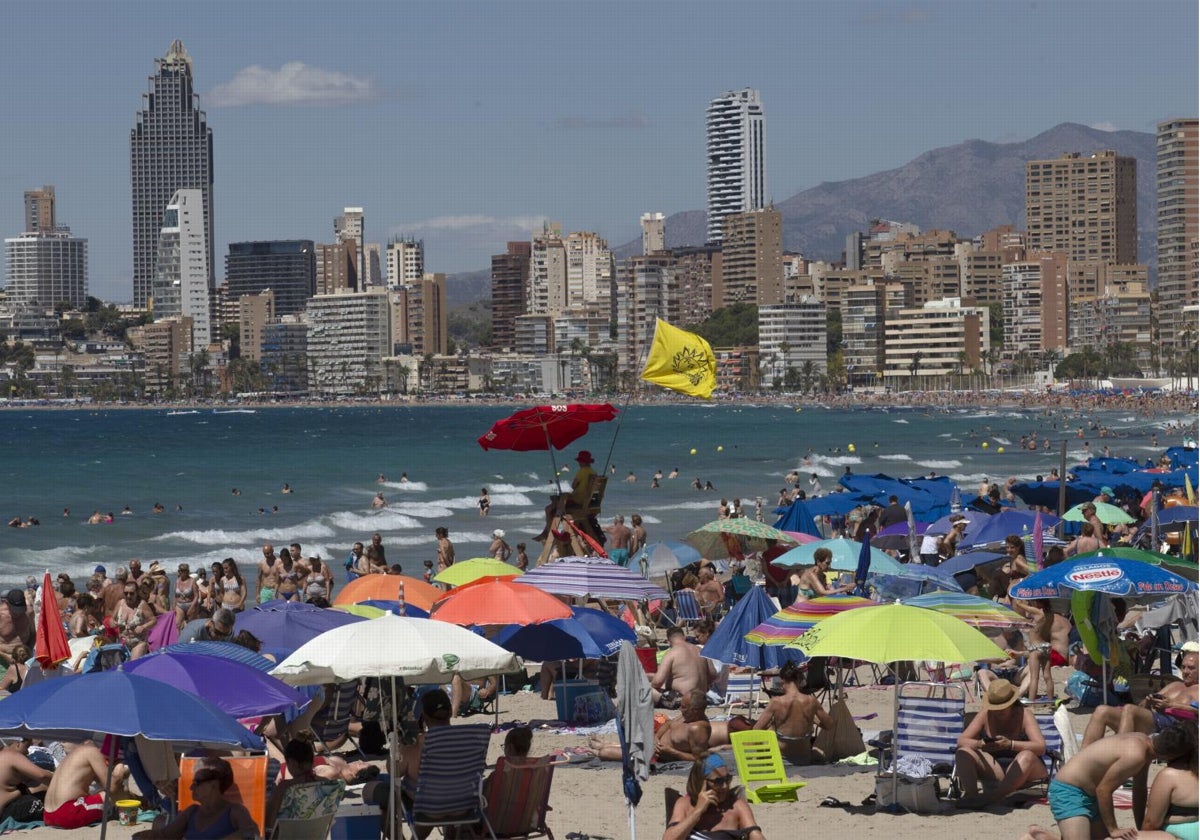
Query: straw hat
1000, 695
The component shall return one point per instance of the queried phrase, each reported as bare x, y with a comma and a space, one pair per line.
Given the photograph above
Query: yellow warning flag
681, 361
1187, 485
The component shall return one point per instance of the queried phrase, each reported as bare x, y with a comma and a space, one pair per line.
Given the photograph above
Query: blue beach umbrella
846, 555
234, 688
283, 631
728, 643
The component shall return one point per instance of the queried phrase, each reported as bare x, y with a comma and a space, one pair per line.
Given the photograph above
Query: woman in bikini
709, 809
233, 587
186, 593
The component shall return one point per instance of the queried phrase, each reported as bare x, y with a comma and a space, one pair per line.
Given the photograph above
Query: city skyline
497, 119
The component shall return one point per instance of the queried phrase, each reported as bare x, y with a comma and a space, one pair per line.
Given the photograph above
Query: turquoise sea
190, 461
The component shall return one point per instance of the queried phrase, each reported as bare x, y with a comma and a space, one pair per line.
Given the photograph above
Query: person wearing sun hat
1001, 749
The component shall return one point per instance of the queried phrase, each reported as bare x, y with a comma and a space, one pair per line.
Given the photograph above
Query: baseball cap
16, 600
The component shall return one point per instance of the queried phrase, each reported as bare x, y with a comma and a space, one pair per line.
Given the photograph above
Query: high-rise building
46, 269
735, 157
170, 149
351, 227
1084, 207
182, 284
752, 258
653, 232
39, 210
405, 261
1178, 278
288, 267
509, 273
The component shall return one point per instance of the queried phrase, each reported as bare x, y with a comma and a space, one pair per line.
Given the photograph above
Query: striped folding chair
449, 780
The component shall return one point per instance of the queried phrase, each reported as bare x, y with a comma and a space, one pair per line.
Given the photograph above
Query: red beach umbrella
499, 601
50, 647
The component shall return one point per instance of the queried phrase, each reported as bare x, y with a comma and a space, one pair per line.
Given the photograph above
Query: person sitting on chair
794, 716
710, 805
1003, 729
577, 501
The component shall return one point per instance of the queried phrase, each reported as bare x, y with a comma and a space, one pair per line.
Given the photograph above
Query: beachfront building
735, 134
792, 343
1035, 305
1116, 324
1178, 199
46, 267
288, 267
337, 268
546, 285
752, 258
182, 279
170, 149
940, 339
348, 335
405, 261
351, 226
510, 271
1084, 207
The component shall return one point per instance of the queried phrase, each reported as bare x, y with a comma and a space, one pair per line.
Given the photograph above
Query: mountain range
968, 188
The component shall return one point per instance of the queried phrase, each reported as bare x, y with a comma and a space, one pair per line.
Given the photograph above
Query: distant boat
177, 413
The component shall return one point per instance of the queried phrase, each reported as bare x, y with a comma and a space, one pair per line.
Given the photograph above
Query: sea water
190, 462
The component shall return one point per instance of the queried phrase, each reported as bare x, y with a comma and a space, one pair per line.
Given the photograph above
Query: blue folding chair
450, 779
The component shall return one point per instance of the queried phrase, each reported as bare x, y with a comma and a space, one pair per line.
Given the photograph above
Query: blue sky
467, 124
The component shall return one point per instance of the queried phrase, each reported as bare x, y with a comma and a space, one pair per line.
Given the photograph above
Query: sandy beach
589, 801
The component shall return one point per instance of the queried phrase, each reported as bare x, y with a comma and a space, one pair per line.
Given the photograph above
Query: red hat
584, 457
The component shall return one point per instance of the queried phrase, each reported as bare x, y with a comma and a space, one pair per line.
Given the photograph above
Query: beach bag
914, 795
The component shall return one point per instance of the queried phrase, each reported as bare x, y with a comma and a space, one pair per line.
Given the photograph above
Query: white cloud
295, 83
1103, 126
471, 223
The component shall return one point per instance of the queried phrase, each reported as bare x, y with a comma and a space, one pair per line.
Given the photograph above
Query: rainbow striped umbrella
791, 622
978, 612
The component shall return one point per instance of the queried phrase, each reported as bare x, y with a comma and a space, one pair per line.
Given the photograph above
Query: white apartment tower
181, 271
405, 261
735, 157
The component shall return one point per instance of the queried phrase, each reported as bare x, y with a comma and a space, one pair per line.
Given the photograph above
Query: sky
469, 124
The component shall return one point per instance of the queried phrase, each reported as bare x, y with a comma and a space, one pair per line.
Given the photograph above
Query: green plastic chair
760, 766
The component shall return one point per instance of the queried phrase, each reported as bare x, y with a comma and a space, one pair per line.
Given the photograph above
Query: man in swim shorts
1081, 795
68, 803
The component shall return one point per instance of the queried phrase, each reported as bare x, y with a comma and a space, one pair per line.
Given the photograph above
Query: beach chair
249, 785
517, 797
929, 719
760, 766
742, 690
307, 811
449, 780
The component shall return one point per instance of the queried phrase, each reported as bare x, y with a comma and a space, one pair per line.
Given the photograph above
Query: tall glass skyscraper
170, 149
735, 157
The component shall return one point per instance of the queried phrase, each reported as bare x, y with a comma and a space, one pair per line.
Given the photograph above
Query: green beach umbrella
469, 571
1106, 513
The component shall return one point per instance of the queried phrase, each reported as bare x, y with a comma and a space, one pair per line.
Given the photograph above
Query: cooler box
582, 701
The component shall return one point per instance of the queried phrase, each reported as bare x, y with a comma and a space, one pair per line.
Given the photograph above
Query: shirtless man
619, 538
68, 803
16, 627
269, 570
22, 784
683, 738
1049, 645
710, 593
682, 668
1154, 714
793, 716
1081, 795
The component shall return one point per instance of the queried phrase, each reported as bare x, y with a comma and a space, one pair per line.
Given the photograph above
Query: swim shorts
1184, 831
1067, 801
620, 556
86, 810
266, 594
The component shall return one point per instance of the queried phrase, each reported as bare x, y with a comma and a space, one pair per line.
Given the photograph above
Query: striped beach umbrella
592, 577
785, 625
978, 612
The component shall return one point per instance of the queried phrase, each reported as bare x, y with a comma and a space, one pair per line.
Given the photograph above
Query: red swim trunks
1056, 658
86, 810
